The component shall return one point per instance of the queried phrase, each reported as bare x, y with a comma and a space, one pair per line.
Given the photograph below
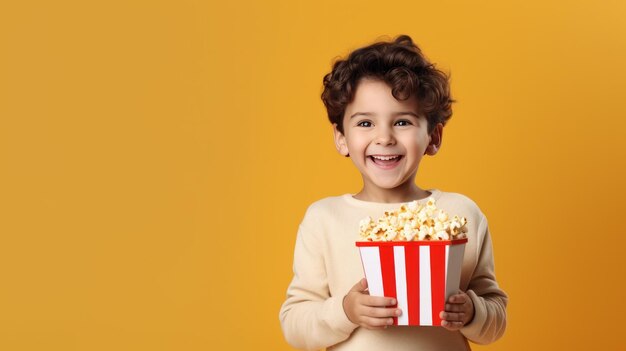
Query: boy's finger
381, 312
379, 301
458, 298
455, 307
376, 322
451, 325
452, 316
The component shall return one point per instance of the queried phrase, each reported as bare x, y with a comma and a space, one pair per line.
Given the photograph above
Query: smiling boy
386, 139
388, 106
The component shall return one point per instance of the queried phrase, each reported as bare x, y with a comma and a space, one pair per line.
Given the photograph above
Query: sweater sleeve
489, 300
310, 318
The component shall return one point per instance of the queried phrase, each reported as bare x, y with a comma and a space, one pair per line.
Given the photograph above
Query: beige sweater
327, 264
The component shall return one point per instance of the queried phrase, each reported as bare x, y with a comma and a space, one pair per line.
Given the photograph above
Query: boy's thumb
360, 286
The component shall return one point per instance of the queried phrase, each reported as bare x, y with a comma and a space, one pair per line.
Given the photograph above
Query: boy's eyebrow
393, 114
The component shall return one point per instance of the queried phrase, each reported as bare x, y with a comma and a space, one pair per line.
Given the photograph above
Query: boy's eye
401, 123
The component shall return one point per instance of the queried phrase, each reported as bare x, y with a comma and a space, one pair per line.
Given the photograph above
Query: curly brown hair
403, 67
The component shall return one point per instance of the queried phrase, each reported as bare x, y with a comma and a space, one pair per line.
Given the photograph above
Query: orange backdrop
157, 157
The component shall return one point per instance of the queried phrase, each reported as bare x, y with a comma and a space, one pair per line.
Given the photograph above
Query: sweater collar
435, 193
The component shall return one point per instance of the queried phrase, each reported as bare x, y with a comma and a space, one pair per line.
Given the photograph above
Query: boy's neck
400, 194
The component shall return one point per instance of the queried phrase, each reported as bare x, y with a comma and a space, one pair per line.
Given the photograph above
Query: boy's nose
384, 137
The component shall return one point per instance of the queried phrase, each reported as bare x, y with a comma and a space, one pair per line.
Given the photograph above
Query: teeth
385, 158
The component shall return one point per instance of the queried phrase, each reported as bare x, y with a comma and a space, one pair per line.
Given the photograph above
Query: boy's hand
368, 311
459, 311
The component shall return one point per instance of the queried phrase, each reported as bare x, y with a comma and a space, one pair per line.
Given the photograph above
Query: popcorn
414, 221
366, 224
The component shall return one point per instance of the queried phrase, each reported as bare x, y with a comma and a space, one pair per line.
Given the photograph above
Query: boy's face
385, 138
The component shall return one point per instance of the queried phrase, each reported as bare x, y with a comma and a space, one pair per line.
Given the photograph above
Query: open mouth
386, 161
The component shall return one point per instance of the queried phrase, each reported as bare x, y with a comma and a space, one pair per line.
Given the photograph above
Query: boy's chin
390, 185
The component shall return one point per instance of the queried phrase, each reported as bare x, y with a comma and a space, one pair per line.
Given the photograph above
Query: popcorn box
421, 275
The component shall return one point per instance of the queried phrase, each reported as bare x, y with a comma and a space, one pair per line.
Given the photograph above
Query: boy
388, 106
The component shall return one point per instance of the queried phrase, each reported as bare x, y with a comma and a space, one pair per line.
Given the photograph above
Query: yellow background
157, 156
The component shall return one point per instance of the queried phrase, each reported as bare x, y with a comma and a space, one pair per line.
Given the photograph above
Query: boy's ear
436, 137
340, 141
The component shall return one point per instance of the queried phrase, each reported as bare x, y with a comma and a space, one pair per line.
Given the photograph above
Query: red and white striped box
421, 275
